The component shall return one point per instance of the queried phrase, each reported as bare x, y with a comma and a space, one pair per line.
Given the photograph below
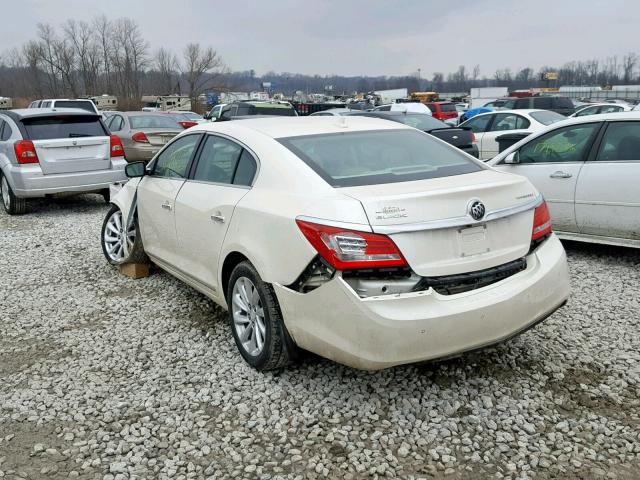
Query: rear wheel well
230, 262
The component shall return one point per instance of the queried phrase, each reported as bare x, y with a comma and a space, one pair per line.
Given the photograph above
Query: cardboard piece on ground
135, 270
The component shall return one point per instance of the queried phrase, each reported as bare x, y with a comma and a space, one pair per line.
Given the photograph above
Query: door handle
166, 206
560, 174
218, 217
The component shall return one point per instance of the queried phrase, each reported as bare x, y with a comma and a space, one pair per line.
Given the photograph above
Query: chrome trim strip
453, 222
332, 223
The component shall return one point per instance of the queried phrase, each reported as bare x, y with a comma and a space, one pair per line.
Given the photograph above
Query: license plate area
473, 240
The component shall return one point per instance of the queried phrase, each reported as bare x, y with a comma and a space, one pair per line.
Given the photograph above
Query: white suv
81, 103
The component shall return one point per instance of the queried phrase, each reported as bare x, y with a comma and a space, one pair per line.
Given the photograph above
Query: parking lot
108, 377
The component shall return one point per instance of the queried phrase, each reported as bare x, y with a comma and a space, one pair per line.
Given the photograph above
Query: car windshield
507, 104
47, 128
153, 121
377, 157
88, 106
192, 116
420, 121
547, 117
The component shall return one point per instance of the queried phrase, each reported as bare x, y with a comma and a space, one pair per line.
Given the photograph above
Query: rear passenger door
608, 190
479, 125
502, 123
222, 174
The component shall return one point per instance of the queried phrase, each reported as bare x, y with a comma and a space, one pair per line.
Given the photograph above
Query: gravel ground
111, 378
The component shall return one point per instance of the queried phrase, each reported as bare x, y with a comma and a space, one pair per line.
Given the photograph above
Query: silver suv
44, 151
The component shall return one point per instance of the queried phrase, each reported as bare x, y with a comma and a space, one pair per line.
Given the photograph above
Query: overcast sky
354, 37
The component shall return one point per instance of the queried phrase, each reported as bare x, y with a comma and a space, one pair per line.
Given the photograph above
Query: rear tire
113, 237
256, 321
12, 204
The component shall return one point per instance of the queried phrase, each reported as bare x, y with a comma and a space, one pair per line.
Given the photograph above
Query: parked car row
353, 197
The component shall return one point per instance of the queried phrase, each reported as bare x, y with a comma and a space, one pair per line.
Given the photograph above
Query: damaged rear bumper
383, 331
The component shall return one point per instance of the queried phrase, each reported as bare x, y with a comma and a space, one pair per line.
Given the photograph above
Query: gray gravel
110, 378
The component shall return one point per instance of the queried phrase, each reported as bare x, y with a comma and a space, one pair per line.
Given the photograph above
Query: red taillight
116, 147
348, 249
473, 137
187, 124
139, 137
25, 152
541, 221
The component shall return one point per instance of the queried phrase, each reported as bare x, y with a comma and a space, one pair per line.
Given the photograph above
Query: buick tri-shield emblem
477, 210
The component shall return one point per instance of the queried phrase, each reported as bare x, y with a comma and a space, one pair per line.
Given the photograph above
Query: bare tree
628, 65
166, 63
81, 37
202, 69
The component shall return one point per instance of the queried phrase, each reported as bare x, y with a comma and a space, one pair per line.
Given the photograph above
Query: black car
561, 105
462, 138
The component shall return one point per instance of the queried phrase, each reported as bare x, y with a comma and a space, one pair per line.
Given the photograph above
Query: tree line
111, 56
105, 56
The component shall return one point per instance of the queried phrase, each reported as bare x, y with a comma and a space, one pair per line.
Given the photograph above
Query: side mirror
512, 158
135, 170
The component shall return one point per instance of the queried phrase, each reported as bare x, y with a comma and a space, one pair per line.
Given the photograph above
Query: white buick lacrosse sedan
365, 241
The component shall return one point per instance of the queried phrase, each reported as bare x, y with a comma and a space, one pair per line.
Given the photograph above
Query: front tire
256, 321
12, 204
121, 244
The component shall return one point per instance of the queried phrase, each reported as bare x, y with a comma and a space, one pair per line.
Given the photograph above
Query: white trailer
230, 97
390, 96
105, 102
166, 102
483, 95
5, 103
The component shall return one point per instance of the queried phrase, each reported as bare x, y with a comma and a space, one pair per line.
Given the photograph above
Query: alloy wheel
118, 239
248, 316
4, 187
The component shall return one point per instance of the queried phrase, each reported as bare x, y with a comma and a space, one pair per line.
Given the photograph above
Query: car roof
65, 100
137, 113
277, 127
20, 113
631, 115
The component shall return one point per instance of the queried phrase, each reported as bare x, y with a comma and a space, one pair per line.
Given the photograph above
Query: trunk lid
159, 137
69, 155
429, 220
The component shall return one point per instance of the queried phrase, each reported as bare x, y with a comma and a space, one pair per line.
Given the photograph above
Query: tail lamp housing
541, 221
139, 137
116, 148
25, 152
187, 124
346, 249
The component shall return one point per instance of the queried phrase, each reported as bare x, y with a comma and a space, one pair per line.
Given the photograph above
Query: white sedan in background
487, 127
365, 241
598, 108
588, 170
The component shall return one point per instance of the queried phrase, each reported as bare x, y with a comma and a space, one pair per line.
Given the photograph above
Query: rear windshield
562, 102
283, 110
447, 107
153, 121
88, 106
47, 128
380, 156
547, 117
